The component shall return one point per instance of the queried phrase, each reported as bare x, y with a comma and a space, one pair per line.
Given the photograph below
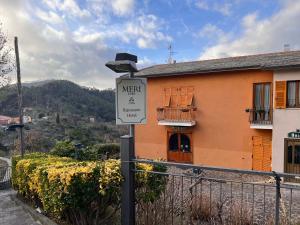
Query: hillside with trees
61, 110
62, 97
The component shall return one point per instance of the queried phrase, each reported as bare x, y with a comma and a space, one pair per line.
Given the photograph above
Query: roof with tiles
270, 61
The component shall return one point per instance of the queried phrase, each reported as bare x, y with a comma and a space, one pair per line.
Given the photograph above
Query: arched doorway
179, 147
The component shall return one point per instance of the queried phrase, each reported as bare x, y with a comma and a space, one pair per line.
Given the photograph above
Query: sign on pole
131, 100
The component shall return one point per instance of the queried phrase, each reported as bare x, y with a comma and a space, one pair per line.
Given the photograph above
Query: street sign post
131, 100
130, 110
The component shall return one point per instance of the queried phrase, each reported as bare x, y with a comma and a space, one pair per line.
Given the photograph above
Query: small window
293, 94
185, 144
262, 96
262, 101
297, 154
173, 143
290, 154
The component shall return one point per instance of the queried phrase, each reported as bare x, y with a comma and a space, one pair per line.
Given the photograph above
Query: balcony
261, 118
176, 116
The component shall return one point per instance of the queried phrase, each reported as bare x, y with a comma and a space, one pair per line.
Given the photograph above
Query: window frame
297, 94
263, 93
178, 134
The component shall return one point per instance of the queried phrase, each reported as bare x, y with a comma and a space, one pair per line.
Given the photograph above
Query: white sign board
131, 100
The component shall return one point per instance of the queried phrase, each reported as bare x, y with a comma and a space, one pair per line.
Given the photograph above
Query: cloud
50, 17
69, 7
68, 39
262, 35
212, 5
122, 7
48, 52
202, 4
117, 7
146, 31
51, 33
83, 35
210, 31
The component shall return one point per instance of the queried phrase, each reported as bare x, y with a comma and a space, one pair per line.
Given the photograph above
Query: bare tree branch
6, 59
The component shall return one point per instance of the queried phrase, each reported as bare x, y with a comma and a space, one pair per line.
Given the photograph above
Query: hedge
79, 192
95, 152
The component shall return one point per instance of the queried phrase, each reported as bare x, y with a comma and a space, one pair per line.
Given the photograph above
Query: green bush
64, 149
85, 192
94, 152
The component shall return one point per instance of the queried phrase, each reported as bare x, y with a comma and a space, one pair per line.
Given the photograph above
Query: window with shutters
178, 107
293, 94
280, 94
262, 104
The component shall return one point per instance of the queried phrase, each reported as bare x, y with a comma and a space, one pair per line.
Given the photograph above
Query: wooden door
180, 147
292, 158
261, 153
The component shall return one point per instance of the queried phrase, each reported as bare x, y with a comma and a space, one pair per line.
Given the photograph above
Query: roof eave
200, 72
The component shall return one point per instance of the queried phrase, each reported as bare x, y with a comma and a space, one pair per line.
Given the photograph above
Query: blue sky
72, 39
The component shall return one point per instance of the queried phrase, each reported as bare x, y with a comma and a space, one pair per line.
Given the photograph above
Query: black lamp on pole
124, 63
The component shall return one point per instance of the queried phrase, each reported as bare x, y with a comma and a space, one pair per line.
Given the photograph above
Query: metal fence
263, 116
5, 177
209, 195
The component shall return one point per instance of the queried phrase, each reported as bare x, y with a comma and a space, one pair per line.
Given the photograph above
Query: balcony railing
176, 115
262, 116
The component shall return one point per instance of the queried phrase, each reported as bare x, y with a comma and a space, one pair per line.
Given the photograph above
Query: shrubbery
94, 152
80, 192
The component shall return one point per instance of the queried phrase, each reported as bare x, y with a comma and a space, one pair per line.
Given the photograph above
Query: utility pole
20, 100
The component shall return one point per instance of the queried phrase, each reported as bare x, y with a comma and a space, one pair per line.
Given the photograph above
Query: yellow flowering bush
77, 191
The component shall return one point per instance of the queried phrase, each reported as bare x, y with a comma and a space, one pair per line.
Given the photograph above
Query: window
297, 154
262, 101
293, 94
173, 143
290, 154
185, 144
180, 142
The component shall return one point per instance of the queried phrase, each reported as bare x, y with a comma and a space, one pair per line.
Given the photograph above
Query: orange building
217, 112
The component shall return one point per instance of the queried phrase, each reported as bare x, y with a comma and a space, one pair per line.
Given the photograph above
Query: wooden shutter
261, 153
257, 153
183, 97
280, 94
267, 154
167, 97
174, 97
190, 96
186, 96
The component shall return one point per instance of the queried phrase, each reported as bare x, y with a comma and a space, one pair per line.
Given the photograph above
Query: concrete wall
222, 135
285, 121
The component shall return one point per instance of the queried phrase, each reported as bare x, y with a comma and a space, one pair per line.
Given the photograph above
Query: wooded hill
60, 96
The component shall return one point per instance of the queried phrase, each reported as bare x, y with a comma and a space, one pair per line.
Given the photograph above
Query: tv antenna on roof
171, 53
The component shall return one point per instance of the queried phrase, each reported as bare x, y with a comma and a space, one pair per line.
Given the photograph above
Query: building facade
232, 112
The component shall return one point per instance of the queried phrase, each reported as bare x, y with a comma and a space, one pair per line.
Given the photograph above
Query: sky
73, 39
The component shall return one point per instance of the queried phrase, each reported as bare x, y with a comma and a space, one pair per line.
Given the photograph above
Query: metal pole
20, 100
128, 189
277, 200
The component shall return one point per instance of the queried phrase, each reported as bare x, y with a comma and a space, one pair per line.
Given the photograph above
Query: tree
6, 60
57, 118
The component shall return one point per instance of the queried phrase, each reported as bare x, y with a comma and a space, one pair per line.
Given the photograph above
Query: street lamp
124, 63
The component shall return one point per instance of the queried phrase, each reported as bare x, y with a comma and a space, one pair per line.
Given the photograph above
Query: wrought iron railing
176, 114
207, 195
260, 116
5, 177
